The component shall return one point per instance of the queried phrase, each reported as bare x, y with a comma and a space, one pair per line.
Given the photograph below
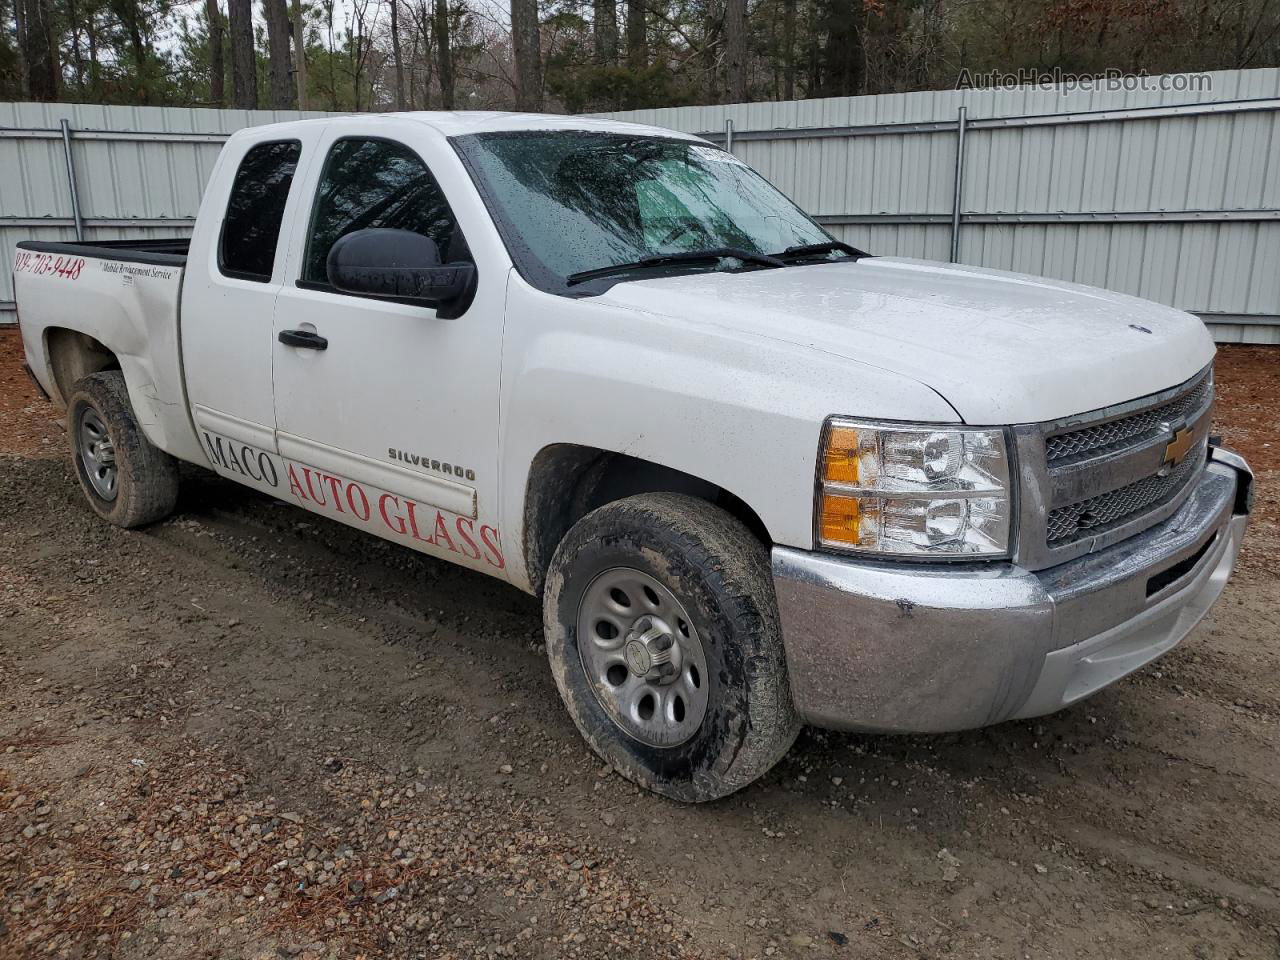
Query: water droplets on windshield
570, 200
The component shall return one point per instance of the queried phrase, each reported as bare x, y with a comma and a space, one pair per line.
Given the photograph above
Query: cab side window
251, 226
377, 183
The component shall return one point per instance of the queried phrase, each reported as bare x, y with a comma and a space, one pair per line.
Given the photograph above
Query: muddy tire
126, 479
662, 632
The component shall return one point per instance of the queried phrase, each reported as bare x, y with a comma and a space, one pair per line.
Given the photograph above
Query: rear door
387, 414
234, 273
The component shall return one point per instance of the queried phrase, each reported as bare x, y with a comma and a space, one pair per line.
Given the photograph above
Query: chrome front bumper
926, 648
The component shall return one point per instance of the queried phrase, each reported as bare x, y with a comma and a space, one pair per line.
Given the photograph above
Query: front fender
742, 412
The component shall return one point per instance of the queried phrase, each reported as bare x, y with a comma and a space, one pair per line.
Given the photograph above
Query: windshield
570, 201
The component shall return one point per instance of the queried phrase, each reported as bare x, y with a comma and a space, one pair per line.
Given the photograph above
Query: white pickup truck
757, 477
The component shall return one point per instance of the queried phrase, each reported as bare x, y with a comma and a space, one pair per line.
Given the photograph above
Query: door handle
304, 339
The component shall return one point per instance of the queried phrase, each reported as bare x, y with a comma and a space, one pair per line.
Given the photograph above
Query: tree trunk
50, 49
775, 73
91, 32
423, 71
280, 60
77, 59
38, 49
606, 31
637, 36
358, 47
812, 65
395, 53
333, 83
712, 29
300, 52
130, 17
244, 68
444, 54
526, 46
20, 48
843, 60
735, 50
217, 68
788, 49
409, 88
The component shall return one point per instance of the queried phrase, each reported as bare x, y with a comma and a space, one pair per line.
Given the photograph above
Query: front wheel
662, 632
126, 478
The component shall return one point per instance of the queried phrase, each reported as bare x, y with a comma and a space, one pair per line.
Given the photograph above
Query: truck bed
123, 293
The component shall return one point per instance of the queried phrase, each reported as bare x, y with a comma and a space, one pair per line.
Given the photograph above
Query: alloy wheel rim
642, 657
97, 454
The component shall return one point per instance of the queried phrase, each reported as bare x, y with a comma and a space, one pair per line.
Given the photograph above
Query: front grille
1093, 479
1124, 431
1107, 510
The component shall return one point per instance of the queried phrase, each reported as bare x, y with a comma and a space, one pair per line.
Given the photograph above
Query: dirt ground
249, 732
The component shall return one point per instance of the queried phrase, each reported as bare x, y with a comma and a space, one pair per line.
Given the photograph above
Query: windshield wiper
665, 259
814, 249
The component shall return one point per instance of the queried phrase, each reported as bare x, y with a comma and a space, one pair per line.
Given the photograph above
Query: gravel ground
248, 732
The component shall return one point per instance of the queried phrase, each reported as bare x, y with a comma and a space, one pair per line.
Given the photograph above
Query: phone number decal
48, 265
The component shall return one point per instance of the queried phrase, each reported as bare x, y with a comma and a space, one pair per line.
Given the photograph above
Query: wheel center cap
651, 651
638, 659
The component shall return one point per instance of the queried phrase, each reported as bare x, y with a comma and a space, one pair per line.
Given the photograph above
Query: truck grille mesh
1109, 509
1118, 433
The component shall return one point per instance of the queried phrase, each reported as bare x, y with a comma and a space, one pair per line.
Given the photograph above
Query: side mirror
399, 265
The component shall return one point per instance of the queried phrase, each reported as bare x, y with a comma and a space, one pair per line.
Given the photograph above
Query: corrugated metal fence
1170, 195
138, 171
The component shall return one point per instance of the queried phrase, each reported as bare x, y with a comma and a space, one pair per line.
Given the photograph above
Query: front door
386, 414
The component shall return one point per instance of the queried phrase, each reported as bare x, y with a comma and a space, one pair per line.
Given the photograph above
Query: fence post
71, 179
956, 191
728, 135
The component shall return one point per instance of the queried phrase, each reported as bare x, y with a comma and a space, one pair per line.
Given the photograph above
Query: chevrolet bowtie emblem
1179, 446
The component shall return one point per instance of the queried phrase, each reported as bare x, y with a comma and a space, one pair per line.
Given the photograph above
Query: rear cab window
255, 210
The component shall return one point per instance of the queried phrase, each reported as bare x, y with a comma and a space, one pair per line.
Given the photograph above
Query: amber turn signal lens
841, 519
840, 462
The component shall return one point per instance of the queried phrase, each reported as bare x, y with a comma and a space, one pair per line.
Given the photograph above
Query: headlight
918, 491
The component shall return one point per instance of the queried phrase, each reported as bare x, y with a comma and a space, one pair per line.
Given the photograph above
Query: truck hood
999, 347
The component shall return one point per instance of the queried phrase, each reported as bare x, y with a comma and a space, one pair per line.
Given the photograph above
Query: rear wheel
662, 631
127, 480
